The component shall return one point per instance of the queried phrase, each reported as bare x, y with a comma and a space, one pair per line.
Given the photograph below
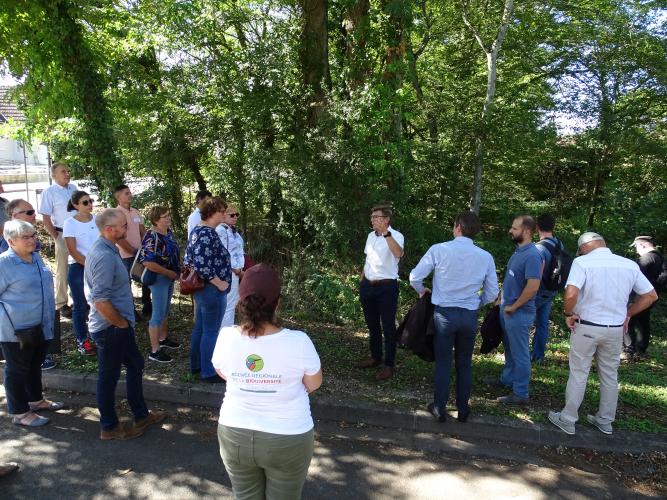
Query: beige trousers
605, 344
60, 273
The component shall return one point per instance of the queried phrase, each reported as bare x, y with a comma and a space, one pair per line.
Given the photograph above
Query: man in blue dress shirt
460, 269
111, 324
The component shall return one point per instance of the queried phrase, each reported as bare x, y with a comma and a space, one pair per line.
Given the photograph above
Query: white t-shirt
381, 264
265, 390
193, 220
85, 233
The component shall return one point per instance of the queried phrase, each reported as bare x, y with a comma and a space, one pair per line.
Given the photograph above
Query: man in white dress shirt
195, 217
233, 242
53, 208
597, 313
378, 290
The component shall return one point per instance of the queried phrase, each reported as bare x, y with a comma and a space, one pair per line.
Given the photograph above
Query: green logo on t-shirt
254, 363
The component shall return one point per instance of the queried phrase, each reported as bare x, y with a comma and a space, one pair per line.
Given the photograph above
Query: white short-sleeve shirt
85, 234
265, 390
605, 281
193, 219
381, 264
54, 203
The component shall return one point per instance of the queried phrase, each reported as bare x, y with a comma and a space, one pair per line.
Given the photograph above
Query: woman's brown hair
212, 206
254, 313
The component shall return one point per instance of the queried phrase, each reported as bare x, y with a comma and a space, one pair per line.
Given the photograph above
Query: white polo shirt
605, 281
381, 264
54, 203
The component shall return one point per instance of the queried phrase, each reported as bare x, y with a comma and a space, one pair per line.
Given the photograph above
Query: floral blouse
161, 249
207, 255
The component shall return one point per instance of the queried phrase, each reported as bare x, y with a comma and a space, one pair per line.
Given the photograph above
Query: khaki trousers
60, 273
605, 344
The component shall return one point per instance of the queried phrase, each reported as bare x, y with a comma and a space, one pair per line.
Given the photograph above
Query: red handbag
189, 281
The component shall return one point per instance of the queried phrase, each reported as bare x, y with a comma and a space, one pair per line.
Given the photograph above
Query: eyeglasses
373, 217
85, 203
27, 212
27, 237
235, 214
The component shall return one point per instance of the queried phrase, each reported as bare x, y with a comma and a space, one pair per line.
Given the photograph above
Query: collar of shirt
464, 239
111, 246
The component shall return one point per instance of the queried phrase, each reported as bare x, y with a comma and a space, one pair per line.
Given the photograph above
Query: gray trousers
605, 344
262, 465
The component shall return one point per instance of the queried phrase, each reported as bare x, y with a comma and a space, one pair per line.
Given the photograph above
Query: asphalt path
180, 460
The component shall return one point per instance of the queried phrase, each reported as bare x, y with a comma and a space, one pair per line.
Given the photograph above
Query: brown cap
647, 239
261, 280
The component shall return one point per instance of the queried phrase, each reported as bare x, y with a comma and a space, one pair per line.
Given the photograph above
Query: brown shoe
122, 432
368, 363
385, 373
154, 417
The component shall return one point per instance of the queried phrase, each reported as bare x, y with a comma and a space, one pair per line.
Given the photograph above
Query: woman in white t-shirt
265, 428
80, 232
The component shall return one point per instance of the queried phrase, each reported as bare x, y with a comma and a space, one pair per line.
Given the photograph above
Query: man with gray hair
111, 324
597, 313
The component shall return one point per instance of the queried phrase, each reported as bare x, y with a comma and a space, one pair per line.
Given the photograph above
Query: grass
643, 385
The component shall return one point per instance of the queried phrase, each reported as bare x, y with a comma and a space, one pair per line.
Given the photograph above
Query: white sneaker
604, 428
563, 425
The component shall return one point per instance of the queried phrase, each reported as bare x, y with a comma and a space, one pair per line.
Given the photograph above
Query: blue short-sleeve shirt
526, 263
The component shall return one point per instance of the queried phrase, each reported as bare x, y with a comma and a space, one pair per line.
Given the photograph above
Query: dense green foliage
308, 112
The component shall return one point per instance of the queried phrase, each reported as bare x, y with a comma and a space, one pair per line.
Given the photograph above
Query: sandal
37, 421
46, 405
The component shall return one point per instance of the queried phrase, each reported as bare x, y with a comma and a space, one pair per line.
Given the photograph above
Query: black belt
380, 282
59, 229
590, 323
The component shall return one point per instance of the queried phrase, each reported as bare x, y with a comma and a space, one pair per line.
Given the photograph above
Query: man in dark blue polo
517, 308
111, 324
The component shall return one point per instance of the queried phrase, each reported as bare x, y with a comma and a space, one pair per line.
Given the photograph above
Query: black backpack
661, 282
554, 276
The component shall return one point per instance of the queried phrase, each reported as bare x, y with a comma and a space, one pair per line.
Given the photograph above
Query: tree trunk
491, 76
431, 119
314, 54
355, 29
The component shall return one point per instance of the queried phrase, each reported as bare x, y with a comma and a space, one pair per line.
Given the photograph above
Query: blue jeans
379, 304
23, 375
210, 305
116, 347
543, 301
516, 330
80, 309
161, 293
455, 327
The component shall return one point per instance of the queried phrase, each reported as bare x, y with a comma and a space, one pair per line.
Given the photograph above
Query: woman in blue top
210, 259
26, 302
160, 255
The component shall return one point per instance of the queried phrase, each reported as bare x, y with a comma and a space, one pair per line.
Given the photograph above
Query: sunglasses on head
27, 212
235, 214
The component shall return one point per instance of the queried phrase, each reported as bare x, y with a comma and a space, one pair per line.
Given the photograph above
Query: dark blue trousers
455, 328
23, 375
116, 347
379, 304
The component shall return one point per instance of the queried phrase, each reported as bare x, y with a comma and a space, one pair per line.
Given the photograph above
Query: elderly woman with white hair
27, 311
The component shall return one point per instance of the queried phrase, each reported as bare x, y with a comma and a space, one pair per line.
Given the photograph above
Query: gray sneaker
604, 428
566, 427
512, 399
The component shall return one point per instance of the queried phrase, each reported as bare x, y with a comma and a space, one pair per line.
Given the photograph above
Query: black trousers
23, 375
639, 330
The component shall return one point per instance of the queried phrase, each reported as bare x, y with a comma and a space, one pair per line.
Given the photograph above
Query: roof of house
8, 107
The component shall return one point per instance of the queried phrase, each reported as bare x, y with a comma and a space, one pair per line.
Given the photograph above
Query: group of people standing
604, 294
265, 427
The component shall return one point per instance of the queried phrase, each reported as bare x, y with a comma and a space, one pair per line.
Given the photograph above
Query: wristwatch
388, 234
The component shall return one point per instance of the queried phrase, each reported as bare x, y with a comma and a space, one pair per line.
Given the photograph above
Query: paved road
180, 461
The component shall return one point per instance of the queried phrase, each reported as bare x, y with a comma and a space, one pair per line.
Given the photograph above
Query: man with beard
517, 311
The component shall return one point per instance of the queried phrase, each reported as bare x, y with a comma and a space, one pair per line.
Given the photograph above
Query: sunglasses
85, 203
235, 214
27, 212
